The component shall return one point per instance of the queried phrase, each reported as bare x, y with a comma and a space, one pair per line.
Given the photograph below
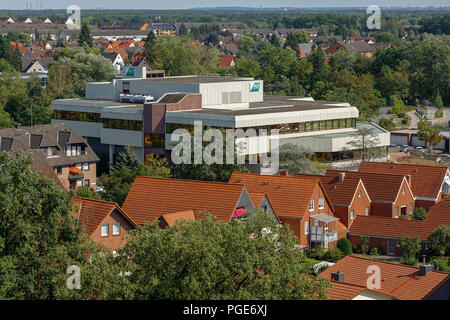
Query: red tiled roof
288, 196
426, 181
438, 215
123, 53
90, 213
339, 192
225, 61
402, 282
172, 218
149, 197
379, 186
343, 291
257, 198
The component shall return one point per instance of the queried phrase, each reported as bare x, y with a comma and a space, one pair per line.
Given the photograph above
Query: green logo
255, 87
130, 72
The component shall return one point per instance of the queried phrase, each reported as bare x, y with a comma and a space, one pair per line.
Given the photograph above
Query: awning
74, 170
324, 217
239, 212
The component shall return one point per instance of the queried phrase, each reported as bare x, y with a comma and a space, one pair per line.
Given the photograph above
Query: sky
186, 4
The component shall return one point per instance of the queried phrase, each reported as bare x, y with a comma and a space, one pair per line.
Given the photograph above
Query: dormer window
311, 205
73, 150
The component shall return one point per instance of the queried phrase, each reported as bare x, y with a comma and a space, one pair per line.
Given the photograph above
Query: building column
111, 153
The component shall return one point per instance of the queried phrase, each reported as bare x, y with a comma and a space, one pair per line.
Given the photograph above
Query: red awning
239, 212
73, 170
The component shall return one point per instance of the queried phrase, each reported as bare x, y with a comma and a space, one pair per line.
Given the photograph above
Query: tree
59, 82
410, 247
439, 241
149, 47
398, 107
253, 259
366, 142
85, 192
246, 67
119, 182
183, 30
295, 159
363, 244
85, 38
38, 234
345, 246
429, 134
420, 213
296, 37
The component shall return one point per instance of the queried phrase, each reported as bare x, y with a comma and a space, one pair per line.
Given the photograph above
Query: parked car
99, 189
418, 148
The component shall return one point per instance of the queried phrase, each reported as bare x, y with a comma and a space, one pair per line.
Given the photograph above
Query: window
116, 228
359, 194
325, 225
411, 208
311, 205
320, 203
87, 183
78, 166
79, 183
59, 170
352, 214
398, 244
403, 190
105, 230
306, 227
396, 212
86, 166
367, 211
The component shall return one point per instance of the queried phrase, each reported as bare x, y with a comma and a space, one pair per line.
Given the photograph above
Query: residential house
47, 20
39, 65
348, 196
56, 150
6, 20
390, 194
428, 183
163, 29
226, 61
115, 58
169, 219
303, 50
384, 233
104, 222
302, 203
350, 281
150, 197
24, 20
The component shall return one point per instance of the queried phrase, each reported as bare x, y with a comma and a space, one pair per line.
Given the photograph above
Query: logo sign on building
130, 72
255, 86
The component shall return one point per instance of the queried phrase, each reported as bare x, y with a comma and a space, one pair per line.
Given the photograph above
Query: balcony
76, 176
319, 236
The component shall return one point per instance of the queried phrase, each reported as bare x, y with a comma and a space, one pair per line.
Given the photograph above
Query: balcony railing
317, 235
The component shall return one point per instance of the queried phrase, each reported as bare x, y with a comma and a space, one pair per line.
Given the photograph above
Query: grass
420, 161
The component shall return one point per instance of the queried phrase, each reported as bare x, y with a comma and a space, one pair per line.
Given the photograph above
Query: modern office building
143, 112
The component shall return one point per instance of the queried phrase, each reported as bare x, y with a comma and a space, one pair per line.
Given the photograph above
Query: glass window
367, 211
308, 126
411, 208
321, 203
105, 230
341, 123
301, 127
116, 228
78, 166
306, 227
86, 166
59, 170
359, 194
315, 125
311, 205
329, 124
336, 124
79, 183
155, 140
352, 214
396, 212
323, 125
87, 183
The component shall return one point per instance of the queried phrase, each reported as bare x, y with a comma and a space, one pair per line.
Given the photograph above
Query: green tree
295, 159
149, 47
38, 235
296, 37
85, 192
255, 259
345, 246
246, 67
420, 213
439, 241
85, 38
410, 247
387, 124
59, 81
398, 107
363, 244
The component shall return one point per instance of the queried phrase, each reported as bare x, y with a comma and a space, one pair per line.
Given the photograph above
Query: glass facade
122, 124
154, 140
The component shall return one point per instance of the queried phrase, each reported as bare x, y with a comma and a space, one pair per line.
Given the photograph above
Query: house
150, 197
350, 281
303, 50
348, 196
47, 20
24, 20
6, 20
390, 194
56, 150
226, 61
39, 65
384, 233
169, 219
428, 183
104, 222
120, 50
163, 29
18, 46
115, 58
301, 203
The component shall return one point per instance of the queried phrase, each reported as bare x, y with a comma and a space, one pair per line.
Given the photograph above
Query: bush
409, 261
374, 252
316, 253
406, 120
441, 263
439, 241
363, 246
345, 246
420, 214
387, 124
333, 255
410, 247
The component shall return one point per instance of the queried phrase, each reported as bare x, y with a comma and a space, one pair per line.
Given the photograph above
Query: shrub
363, 244
345, 246
406, 120
374, 252
387, 124
410, 247
441, 263
333, 255
316, 253
420, 214
439, 241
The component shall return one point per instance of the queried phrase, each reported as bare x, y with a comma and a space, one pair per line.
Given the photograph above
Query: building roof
340, 192
38, 137
149, 197
400, 281
225, 61
426, 181
289, 196
90, 213
343, 291
380, 186
172, 218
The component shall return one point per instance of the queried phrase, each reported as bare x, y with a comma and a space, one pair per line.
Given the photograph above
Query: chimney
424, 268
337, 276
341, 176
284, 173
409, 180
